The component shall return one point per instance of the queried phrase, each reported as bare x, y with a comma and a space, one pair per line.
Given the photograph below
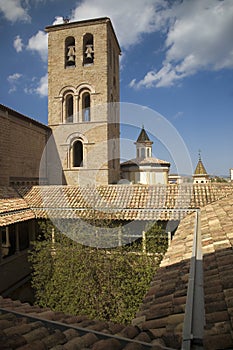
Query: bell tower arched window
88, 49
77, 154
69, 108
86, 106
70, 52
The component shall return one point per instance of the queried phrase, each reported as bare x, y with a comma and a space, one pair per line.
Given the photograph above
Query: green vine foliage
106, 284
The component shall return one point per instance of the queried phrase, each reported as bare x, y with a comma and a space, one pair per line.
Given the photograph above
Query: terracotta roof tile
122, 202
118, 202
23, 332
13, 208
216, 226
161, 314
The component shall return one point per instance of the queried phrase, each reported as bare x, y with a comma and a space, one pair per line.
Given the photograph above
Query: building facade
83, 88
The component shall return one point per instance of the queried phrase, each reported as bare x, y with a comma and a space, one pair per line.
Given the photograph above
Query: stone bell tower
83, 88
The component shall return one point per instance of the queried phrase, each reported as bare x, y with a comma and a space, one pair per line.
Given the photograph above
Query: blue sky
177, 59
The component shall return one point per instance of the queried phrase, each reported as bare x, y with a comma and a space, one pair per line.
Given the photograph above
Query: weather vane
199, 154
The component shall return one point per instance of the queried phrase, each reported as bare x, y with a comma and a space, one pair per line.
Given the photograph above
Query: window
69, 108
70, 52
143, 153
77, 154
148, 152
86, 104
88, 49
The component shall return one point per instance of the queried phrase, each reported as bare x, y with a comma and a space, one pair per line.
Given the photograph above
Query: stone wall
22, 142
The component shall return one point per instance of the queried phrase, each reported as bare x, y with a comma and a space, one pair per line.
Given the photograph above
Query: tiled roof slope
163, 309
160, 319
119, 202
217, 241
13, 208
122, 202
28, 327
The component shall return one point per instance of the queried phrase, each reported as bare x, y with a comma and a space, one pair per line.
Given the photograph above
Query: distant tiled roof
13, 208
143, 137
118, 202
123, 202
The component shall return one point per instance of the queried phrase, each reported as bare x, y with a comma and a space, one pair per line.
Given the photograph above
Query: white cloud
58, 20
13, 80
18, 44
14, 77
38, 87
14, 11
39, 43
42, 88
199, 37
130, 18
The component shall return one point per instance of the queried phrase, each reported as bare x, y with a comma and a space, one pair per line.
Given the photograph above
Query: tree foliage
106, 284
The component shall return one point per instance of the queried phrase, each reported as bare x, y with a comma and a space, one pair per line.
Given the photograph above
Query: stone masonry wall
22, 142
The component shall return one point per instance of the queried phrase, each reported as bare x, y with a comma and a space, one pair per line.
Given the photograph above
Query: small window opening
78, 154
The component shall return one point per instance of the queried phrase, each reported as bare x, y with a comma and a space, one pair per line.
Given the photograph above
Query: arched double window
70, 52
77, 154
76, 103
88, 49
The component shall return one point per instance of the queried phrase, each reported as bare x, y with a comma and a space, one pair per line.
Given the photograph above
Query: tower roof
200, 169
143, 137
